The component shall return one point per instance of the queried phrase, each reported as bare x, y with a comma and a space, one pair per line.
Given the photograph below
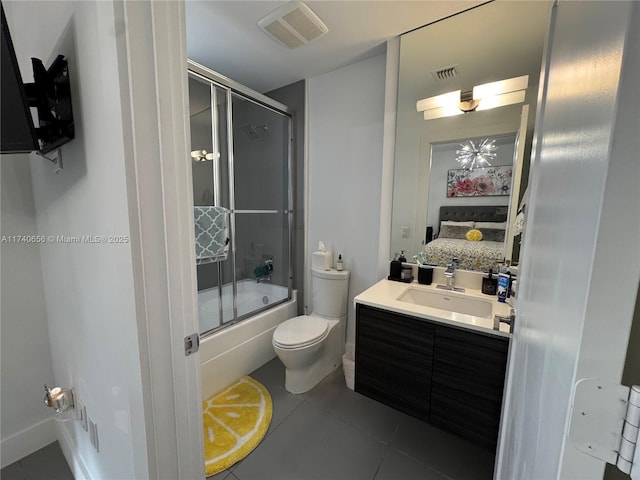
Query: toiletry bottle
503, 286
489, 284
395, 268
402, 257
339, 265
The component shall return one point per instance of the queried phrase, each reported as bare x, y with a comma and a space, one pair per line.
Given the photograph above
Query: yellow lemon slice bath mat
235, 422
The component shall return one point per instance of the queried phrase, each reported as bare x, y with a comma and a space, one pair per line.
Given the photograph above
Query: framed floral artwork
479, 182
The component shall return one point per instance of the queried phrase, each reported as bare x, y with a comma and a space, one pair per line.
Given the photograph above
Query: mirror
492, 42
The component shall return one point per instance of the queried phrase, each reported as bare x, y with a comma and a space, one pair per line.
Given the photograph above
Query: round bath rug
235, 422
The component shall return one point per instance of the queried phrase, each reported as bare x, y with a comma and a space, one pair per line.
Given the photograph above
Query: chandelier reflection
476, 153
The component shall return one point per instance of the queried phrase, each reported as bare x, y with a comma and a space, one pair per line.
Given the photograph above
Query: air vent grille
293, 25
446, 73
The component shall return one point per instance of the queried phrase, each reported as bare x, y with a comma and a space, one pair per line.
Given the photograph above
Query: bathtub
252, 296
237, 350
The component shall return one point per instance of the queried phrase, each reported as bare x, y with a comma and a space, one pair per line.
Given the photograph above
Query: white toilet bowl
309, 347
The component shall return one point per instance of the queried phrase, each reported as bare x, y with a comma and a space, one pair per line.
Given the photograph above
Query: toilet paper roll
322, 260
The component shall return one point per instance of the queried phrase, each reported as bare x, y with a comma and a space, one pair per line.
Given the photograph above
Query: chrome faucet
450, 273
509, 320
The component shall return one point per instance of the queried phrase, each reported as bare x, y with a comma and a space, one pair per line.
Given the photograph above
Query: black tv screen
17, 128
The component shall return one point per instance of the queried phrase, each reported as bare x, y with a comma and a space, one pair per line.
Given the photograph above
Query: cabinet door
394, 359
468, 382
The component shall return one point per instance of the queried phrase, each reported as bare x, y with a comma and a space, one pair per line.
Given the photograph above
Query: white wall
345, 125
88, 287
27, 424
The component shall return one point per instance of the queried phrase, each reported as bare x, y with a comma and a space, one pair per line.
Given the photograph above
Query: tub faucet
263, 272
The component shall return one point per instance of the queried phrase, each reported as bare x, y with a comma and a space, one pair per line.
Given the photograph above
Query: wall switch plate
93, 434
404, 232
82, 415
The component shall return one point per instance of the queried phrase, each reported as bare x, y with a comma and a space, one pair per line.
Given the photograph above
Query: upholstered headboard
483, 213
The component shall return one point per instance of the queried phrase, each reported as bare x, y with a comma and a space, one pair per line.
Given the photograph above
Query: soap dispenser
395, 268
489, 284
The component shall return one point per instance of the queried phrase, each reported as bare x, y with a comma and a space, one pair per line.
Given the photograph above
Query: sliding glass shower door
241, 166
261, 140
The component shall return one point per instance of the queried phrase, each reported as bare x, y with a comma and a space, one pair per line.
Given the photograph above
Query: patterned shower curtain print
480, 182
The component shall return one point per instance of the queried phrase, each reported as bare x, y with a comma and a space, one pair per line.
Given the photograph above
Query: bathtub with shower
241, 152
236, 350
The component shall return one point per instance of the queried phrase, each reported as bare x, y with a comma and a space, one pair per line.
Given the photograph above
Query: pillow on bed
474, 235
492, 231
453, 231
469, 224
494, 225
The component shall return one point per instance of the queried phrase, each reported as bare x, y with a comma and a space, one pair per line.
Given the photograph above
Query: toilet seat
300, 331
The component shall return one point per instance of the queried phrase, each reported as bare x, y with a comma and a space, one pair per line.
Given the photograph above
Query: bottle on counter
339, 264
395, 268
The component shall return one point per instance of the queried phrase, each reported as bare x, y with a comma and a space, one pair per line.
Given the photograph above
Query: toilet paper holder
61, 399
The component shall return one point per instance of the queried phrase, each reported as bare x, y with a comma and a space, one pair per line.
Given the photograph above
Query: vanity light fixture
476, 153
481, 97
202, 156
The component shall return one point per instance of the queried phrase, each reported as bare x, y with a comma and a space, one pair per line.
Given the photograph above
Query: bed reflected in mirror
489, 43
468, 208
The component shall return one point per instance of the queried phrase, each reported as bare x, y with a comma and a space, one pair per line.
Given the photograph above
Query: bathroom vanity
442, 366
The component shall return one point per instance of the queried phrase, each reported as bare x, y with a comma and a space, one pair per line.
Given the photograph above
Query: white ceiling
224, 36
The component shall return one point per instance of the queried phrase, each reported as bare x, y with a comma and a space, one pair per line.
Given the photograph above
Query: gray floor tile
311, 444
47, 463
396, 465
271, 375
450, 455
12, 472
366, 414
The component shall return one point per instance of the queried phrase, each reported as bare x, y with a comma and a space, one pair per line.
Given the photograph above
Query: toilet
311, 346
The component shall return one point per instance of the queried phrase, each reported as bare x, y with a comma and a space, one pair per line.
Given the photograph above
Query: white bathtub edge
240, 349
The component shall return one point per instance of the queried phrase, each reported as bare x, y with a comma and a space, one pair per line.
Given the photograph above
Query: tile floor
332, 433
329, 433
48, 463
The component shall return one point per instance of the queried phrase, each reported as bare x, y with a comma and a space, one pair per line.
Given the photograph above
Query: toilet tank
330, 290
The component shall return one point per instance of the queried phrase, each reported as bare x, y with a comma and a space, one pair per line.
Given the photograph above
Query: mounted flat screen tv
50, 94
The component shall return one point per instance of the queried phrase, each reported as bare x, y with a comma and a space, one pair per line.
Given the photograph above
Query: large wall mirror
495, 41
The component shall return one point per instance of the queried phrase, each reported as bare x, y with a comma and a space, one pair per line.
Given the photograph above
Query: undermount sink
446, 301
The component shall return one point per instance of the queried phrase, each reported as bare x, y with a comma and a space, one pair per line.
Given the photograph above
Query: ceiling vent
446, 73
293, 25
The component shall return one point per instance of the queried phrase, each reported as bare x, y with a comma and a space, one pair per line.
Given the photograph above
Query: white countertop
385, 293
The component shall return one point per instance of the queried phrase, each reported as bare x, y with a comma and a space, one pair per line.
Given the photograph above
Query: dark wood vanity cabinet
448, 376
393, 359
467, 383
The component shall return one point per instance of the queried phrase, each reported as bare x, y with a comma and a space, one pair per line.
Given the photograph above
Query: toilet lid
300, 331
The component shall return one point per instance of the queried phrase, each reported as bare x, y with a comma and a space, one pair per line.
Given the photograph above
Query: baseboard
27, 441
70, 452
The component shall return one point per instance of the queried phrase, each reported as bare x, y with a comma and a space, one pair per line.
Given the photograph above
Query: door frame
152, 60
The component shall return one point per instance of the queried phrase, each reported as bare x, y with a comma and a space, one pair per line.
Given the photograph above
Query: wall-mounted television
49, 94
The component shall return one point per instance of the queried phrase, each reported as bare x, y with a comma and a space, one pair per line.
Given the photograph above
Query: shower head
254, 131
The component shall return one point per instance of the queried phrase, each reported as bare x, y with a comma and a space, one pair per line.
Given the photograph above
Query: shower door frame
232, 87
